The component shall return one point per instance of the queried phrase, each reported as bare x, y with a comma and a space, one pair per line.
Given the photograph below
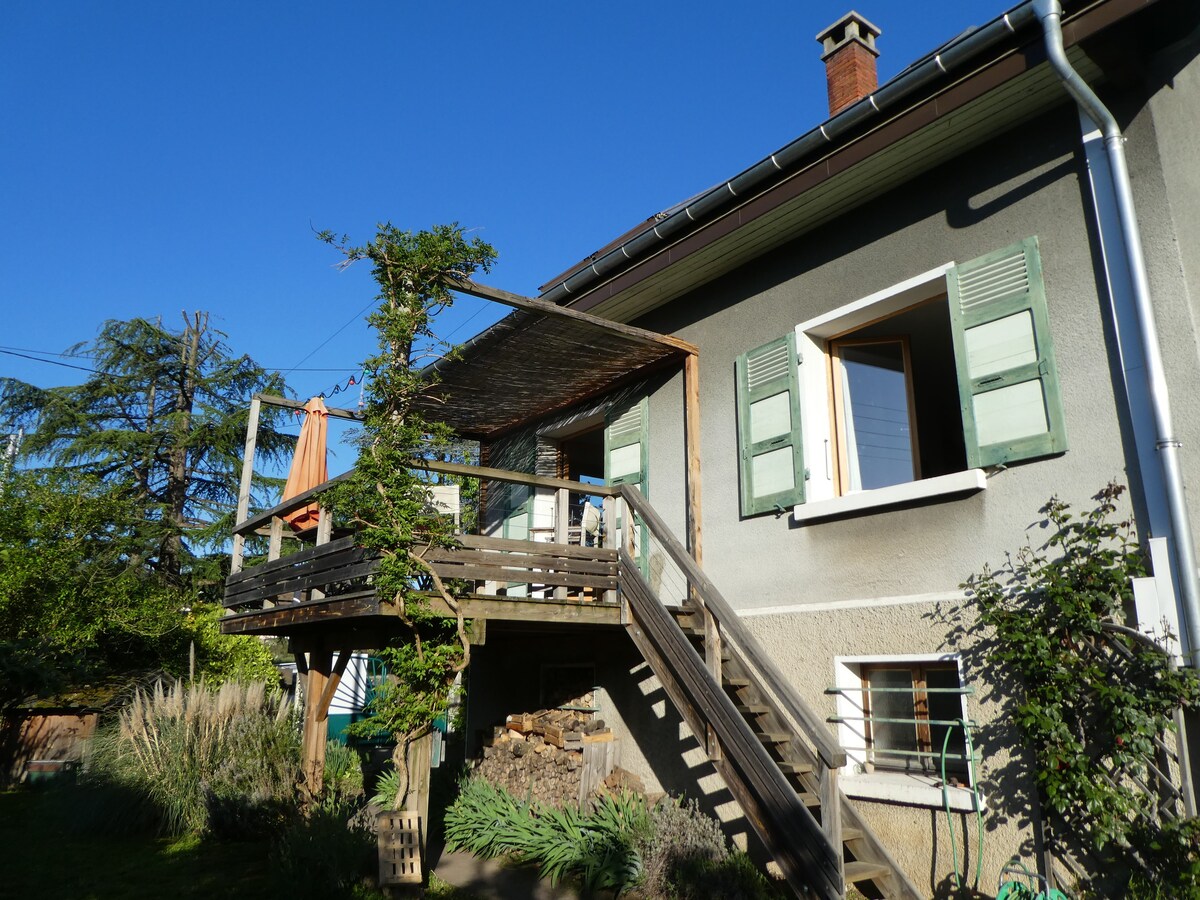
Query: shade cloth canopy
309, 465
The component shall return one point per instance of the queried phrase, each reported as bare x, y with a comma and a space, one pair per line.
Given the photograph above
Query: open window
907, 393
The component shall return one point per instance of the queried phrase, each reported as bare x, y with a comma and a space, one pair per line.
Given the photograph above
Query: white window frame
913, 789
812, 336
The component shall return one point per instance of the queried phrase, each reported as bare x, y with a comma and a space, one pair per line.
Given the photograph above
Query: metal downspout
1167, 444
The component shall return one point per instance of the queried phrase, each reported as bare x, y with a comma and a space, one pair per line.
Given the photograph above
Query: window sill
909, 790
970, 481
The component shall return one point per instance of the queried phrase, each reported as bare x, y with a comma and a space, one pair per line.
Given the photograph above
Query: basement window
893, 717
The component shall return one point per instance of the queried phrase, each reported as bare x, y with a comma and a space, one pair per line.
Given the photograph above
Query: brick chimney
849, 55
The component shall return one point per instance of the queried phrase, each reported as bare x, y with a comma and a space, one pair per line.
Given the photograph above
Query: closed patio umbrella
309, 467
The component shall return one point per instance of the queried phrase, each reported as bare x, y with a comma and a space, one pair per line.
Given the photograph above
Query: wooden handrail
485, 473
732, 628
290, 505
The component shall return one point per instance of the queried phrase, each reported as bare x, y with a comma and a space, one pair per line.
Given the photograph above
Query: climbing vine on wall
386, 499
1092, 701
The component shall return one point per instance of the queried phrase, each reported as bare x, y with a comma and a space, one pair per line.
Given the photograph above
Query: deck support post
316, 726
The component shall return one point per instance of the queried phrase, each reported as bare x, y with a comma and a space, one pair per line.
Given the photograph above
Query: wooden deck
507, 580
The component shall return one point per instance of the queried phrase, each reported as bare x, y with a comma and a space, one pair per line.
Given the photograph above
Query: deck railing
558, 559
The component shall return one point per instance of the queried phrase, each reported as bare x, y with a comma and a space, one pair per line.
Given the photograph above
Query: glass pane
1001, 345
945, 707
876, 415
625, 460
773, 472
892, 704
770, 417
1010, 413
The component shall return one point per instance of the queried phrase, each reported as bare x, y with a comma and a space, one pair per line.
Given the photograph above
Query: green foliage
343, 776
386, 788
681, 839
202, 757
734, 877
162, 424
385, 498
108, 546
600, 849
325, 855
1081, 716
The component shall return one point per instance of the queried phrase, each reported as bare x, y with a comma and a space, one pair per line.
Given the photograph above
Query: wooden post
608, 520
831, 812
324, 530
274, 546
243, 504
316, 727
562, 522
691, 407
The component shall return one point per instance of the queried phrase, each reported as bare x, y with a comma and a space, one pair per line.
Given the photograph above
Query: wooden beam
504, 475
243, 504
285, 403
631, 332
331, 685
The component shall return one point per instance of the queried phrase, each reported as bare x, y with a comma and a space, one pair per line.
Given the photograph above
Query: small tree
386, 498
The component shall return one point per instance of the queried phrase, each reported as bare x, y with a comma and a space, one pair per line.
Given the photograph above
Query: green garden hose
978, 806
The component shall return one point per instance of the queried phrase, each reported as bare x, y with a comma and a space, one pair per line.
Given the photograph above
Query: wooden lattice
399, 847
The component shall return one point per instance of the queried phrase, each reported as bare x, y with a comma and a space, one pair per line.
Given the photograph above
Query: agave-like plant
600, 849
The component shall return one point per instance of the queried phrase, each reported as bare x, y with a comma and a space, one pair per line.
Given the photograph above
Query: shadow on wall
674, 755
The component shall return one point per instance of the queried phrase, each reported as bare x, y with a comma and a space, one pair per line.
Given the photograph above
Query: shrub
325, 855
680, 837
201, 757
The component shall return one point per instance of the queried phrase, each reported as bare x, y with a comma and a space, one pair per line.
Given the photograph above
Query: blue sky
159, 157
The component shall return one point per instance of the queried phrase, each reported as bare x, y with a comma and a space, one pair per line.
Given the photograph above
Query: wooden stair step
795, 768
851, 834
752, 709
735, 682
860, 870
774, 737
812, 801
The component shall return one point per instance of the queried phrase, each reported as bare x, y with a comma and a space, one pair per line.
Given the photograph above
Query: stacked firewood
540, 755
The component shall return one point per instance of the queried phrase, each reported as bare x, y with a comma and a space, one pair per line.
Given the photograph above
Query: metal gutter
1130, 245
706, 205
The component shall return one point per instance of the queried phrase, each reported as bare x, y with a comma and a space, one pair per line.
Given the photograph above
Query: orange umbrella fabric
309, 466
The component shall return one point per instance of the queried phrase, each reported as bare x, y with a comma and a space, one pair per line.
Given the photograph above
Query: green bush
680, 838
202, 759
326, 855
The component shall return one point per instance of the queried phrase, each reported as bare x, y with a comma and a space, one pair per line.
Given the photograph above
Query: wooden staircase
775, 754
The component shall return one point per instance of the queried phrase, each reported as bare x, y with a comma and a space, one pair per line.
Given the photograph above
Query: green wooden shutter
625, 446
1007, 380
772, 453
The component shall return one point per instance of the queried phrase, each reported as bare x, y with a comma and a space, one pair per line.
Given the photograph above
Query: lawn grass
41, 856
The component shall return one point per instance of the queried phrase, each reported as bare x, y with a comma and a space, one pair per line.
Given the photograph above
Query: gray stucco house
915, 324
812, 401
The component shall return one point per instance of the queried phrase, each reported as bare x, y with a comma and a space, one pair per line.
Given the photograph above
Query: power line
55, 362
349, 322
